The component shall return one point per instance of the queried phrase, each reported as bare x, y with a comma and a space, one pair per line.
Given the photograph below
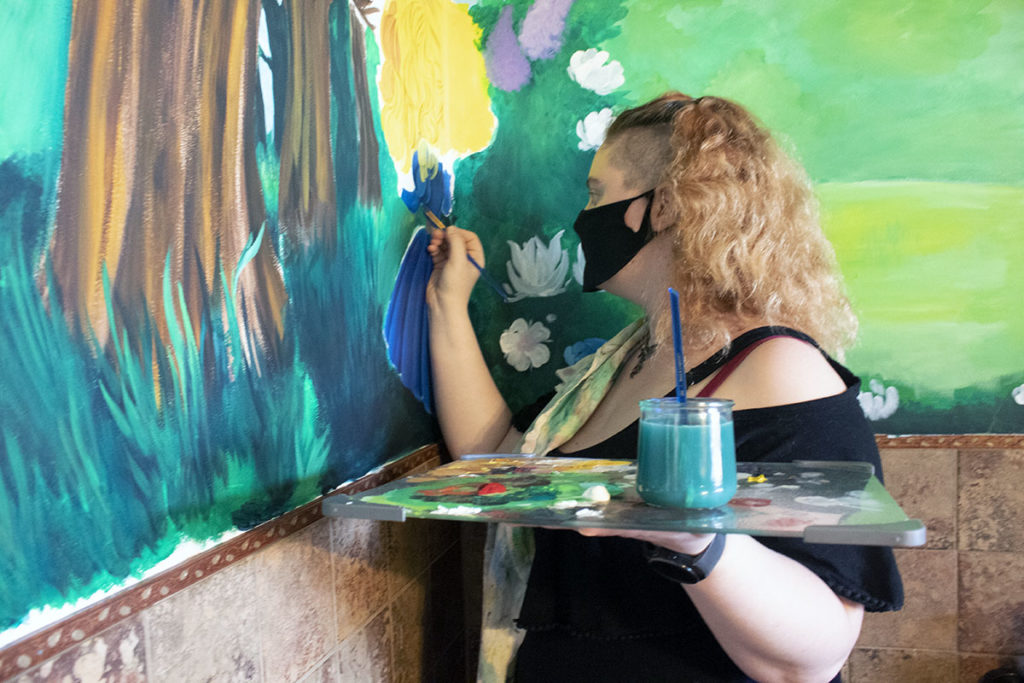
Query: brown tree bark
159, 165
306, 204
369, 149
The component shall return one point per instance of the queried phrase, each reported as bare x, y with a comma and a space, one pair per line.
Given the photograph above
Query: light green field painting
934, 271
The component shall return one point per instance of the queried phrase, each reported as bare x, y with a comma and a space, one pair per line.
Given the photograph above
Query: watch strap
682, 568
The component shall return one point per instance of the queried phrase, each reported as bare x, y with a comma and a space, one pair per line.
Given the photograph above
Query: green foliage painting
200, 229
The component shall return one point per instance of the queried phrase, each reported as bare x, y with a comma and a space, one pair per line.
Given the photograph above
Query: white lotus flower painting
525, 345
592, 70
581, 263
536, 269
593, 127
880, 402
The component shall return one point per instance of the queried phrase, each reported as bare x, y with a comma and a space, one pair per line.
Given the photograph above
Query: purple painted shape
507, 68
540, 36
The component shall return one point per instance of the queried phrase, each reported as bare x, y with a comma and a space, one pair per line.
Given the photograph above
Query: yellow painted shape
759, 479
433, 82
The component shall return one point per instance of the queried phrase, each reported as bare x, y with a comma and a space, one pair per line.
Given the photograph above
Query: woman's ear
663, 213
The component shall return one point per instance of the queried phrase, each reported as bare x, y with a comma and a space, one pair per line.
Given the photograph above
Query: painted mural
204, 207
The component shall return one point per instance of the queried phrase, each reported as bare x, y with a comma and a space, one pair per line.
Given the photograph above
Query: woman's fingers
471, 244
454, 275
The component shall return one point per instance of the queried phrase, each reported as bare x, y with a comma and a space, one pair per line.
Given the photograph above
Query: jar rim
696, 401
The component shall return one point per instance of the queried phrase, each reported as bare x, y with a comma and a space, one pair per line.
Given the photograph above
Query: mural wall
204, 207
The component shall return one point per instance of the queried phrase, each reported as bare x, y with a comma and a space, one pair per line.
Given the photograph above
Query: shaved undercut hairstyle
747, 243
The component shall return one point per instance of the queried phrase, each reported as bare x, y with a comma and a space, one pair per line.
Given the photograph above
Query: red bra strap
733, 363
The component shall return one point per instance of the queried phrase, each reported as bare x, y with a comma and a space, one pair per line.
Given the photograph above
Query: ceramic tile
416, 544
991, 603
409, 624
296, 596
918, 666
207, 632
325, 672
366, 655
991, 500
924, 483
117, 654
928, 617
973, 667
362, 577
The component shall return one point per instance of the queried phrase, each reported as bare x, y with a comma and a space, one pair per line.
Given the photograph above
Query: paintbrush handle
488, 278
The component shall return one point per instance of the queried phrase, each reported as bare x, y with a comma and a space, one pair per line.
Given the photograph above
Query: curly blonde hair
747, 243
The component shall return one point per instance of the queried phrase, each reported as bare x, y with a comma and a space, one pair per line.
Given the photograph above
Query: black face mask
608, 243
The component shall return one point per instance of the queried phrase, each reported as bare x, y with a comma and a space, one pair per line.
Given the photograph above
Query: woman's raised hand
454, 275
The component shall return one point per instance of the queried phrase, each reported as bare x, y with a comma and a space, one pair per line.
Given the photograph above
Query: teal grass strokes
111, 459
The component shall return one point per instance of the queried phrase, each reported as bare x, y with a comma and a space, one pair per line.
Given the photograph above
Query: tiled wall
340, 600
336, 600
964, 611
345, 600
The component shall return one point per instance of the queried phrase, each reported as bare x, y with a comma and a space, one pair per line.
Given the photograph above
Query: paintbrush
488, 278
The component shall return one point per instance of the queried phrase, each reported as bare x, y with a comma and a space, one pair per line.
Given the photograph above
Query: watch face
675, 572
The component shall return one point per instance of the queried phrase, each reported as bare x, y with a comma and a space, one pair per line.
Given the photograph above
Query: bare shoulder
780, 371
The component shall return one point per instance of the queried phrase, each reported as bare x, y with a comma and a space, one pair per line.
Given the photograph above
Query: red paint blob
750, 502
489, 489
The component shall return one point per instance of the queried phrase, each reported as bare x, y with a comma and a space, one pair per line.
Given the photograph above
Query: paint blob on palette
835, 502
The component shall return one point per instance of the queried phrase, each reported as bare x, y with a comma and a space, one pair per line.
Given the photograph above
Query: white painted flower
525, 344
880, 402
588, 68
581, 263
536, 270
592, 128
1018, 395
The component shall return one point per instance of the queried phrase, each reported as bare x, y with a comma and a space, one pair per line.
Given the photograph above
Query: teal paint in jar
686, 453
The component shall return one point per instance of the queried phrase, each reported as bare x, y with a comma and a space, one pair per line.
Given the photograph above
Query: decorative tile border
52, 640
951, 441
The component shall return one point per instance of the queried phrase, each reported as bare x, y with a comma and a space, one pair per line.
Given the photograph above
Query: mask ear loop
647, 225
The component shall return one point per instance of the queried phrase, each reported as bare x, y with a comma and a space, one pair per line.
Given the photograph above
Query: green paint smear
33, 68
862, 90
539, 494
934, 273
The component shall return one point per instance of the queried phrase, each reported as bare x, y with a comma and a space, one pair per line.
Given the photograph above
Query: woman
691, 194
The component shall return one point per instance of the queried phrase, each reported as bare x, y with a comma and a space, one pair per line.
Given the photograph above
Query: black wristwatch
684, 568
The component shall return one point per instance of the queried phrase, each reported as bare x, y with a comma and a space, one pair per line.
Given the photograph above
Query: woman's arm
473, 415
776, 619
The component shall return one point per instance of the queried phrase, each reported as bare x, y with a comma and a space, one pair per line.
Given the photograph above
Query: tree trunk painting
276, 17
159, 170
369, 148
306, 207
